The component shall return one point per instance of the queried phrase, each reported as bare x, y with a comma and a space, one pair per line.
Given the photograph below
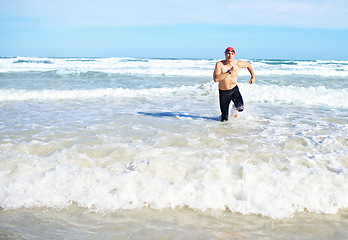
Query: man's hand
252, 80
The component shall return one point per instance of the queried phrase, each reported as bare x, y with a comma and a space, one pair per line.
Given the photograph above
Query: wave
169, 67
273, 94
262, 188
47, 94
33, 61
308, 96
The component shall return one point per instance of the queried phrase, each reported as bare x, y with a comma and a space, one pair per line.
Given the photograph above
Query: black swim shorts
226, 96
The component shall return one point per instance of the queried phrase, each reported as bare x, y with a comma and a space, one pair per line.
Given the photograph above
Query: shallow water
78, 223
135, 143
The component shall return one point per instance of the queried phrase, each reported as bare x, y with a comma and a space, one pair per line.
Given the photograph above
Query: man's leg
225, 99
238, 101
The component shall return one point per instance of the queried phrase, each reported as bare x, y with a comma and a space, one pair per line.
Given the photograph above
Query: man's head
230, 49
229, 53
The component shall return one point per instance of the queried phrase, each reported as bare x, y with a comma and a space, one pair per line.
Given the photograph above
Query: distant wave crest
169, 67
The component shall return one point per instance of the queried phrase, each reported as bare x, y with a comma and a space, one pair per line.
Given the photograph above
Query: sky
257, 29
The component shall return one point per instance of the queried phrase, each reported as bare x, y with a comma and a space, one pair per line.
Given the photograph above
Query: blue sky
263, 29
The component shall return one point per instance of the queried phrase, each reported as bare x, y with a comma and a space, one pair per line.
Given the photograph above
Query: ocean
132, 148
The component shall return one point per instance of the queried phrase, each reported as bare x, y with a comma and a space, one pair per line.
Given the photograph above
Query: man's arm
247, 65
218, 74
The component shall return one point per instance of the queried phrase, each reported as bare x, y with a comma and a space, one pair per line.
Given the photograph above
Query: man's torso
230, 81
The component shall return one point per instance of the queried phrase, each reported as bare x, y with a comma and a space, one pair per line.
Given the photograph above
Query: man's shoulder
242, 63
221, 62
239, 62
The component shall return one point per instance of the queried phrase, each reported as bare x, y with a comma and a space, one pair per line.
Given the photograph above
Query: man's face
229, 55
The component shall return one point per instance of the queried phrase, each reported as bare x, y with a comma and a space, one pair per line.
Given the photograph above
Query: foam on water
109, 147
23, 95
169, 67
256, 93
256, 171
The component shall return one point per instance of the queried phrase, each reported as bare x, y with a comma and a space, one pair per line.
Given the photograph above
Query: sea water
132, 148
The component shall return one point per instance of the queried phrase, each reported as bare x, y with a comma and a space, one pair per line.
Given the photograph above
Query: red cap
229, 49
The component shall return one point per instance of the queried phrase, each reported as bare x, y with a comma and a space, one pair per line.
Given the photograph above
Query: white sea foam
315, 96
23, 95
170, 67
319, 96
166, 178
117, 142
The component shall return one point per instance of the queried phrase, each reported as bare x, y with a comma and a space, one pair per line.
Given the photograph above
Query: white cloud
109, 13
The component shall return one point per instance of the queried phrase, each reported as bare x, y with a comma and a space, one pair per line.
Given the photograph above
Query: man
225, 73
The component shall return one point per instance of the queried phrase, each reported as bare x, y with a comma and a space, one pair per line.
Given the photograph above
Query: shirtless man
225, 73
